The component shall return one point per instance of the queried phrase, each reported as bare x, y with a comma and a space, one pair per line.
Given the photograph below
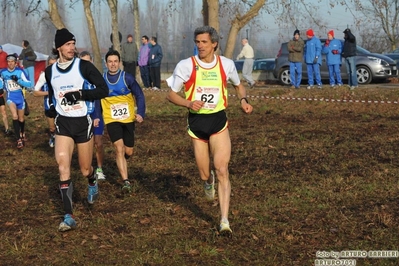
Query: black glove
52, 113
315, 60
1, 91
14, 78
72, 97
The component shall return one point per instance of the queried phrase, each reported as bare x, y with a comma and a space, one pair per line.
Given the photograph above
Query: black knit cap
296, 32
63, 36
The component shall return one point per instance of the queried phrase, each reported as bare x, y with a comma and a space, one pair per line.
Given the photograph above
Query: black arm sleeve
47, 74
90, 72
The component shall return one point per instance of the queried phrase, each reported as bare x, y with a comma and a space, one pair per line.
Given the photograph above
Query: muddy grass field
312, 171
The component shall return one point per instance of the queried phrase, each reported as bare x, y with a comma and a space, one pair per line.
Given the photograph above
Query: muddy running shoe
209, 189
51, 141
23, 137
20, 144
92, 194
127, 187
224, 229
7, 132
68, 223
99, 173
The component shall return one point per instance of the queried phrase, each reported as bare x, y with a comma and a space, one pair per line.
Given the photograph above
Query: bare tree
93, 34
238, 23
54, 15
136, 15
113, 6
384, 12
211, 11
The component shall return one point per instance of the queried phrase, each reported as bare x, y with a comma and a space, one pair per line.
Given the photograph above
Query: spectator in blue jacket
313, 59
154, 62
332, 49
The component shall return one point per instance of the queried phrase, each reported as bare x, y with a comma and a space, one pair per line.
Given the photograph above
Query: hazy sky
337, 19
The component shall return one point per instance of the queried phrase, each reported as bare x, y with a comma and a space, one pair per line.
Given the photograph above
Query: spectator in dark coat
154, 63
28, 58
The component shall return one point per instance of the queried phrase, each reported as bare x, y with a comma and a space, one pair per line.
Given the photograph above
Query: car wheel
284, 76
363, 75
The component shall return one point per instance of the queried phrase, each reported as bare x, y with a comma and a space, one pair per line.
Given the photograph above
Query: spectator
3, 58
295, 56
143, 61
248, 53
28, 58
3, 65
129, 55
332, 49
313, 59
155, 63
349, 53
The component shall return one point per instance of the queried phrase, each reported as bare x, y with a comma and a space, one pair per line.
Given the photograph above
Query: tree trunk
113, 6
54, 15
211, 11
93, 35
238, 23
205, 13
136, 16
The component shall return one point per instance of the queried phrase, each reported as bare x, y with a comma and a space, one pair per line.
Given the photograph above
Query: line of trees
173, 22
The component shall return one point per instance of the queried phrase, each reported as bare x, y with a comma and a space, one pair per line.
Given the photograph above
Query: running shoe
20, 144
127, 187
68, 223
51, 141
210, 188
23, 137
93, 193
99, 173
224, 229
7, 132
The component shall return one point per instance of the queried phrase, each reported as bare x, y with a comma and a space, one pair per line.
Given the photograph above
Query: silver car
370, 66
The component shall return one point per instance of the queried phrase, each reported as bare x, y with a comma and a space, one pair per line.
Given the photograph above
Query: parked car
259, 64
264, 64
370, 66
239, 64
395, 57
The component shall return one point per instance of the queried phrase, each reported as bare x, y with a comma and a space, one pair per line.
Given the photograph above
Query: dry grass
306, 176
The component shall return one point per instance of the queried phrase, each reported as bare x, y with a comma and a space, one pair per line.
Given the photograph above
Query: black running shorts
202, 126
80, 129
124, 131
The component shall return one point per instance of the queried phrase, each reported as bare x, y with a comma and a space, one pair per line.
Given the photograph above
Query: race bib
120, 111
69, 107
13, 86
209, 95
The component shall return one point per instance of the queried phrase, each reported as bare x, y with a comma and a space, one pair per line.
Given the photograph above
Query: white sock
224, 220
